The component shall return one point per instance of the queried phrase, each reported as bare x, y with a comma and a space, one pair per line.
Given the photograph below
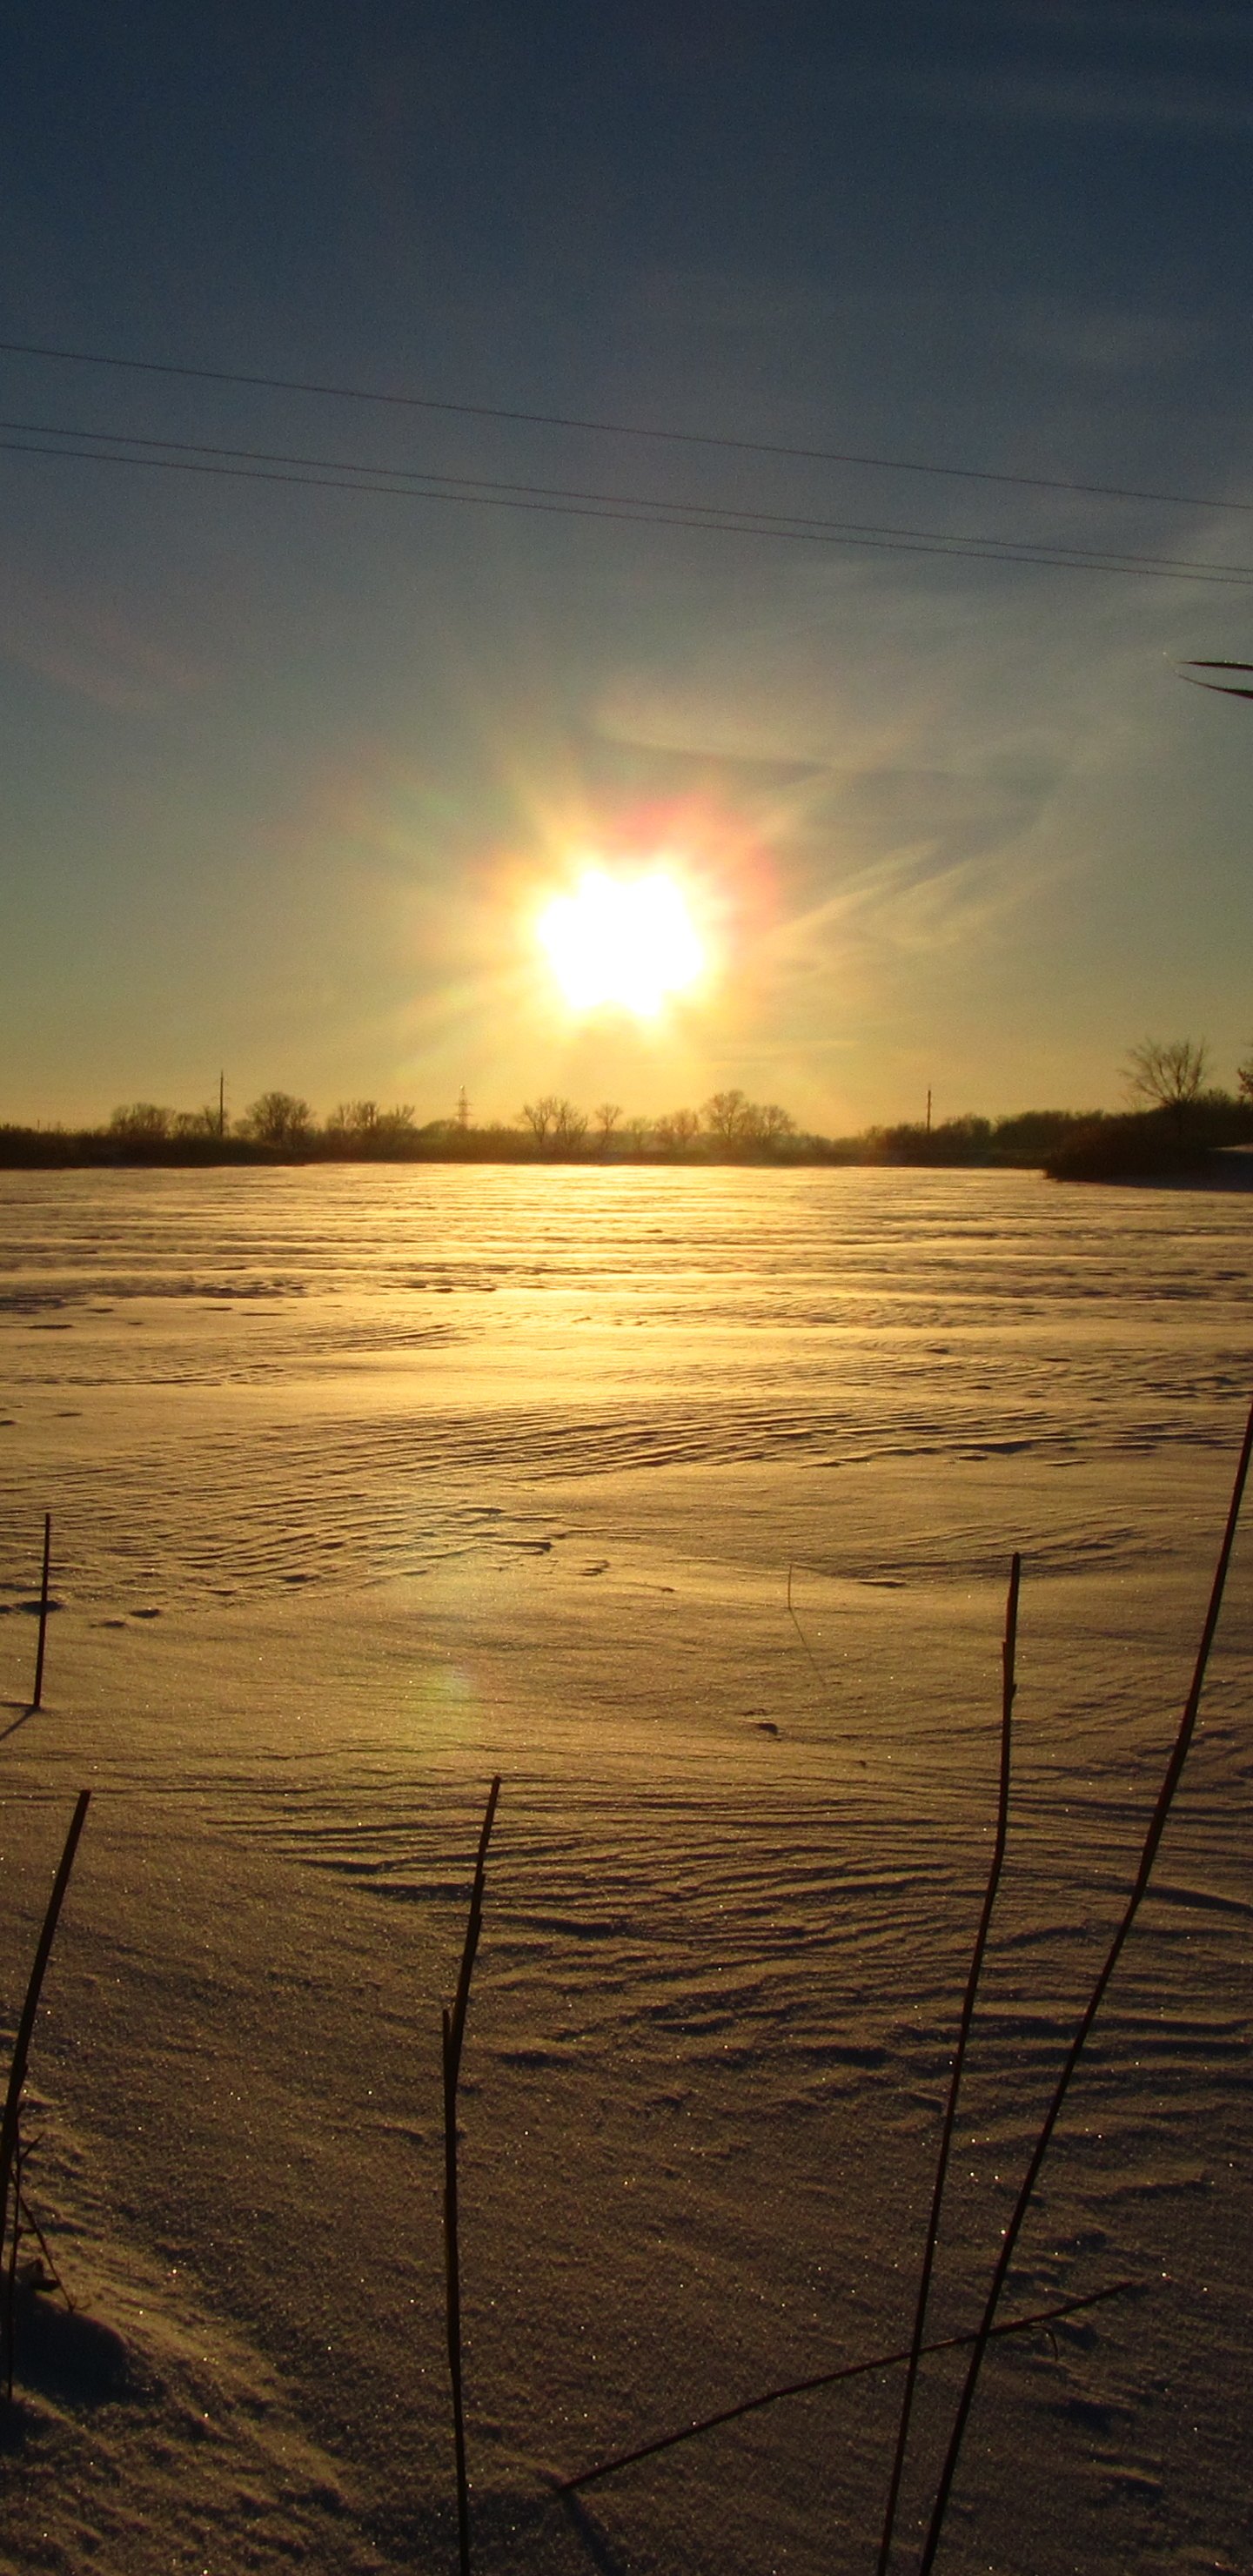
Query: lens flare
621, 940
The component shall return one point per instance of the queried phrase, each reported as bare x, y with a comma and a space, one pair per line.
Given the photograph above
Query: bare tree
637, 1135
142, 1122
353, 1118
569, 1127
765, 1122
724, 1116
679, 1128
361, 1127
1167, 1074
540, 1116
278, 1118
607, 1117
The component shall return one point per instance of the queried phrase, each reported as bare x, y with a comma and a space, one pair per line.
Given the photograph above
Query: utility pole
463, 1110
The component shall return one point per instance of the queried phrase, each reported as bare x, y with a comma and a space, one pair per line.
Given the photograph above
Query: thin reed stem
10, 2278
454, 2025
21, 2046
806, 1648
831, 2379
1009, 1651
1152, 1840
37, 1695
452, 2286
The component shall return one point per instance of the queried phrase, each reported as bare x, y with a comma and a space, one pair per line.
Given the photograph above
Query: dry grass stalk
10, 2124
1043, 2317
1148, 1854
1009, 1651
454, 2036
37, 1695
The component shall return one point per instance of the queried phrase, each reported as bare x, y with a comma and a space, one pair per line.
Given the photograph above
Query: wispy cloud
1102, 340
1188, 22
1024, 96
90, 648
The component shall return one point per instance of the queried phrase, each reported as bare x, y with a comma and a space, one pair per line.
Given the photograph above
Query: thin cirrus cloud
1183, 23
916, 860
89, 648
886, 856
1101, 341
1161, 104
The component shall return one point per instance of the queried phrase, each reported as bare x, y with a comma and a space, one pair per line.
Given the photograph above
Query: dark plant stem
1148, 1854
10, 2279
1008, 1656
831, 2379
31, 2227
452, 2298
21, 2045
454, 2035
43, 1613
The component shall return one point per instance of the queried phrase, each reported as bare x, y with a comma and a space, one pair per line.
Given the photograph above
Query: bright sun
627, 940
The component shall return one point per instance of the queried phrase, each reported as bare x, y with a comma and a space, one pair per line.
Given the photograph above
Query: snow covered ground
369, 1483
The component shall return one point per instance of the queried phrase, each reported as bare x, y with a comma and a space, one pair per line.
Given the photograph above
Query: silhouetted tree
679, 1128
353, 1118
361, 1127
607, 1117
724, 1116
278, 1118
539, 1115
569, 1127
764, 1122
141, 1123
557, 1126
733, 1120
196, 1123
1167, 1074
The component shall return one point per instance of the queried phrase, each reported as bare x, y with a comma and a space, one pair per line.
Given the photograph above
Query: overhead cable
613, 428
414, 481
640, 513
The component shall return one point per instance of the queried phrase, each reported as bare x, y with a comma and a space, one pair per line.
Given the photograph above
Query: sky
288, 767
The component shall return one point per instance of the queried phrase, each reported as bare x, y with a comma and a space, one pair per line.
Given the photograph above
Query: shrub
1129, 1149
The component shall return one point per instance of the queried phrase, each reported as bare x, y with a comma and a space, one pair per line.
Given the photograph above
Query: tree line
549, 1128
1176, 1119
1176, 1116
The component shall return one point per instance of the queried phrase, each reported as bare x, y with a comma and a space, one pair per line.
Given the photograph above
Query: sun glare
624, 940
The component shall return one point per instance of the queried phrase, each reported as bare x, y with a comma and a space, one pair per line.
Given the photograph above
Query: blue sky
286, 768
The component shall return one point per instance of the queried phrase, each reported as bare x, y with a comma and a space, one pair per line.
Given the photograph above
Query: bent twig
831, 2379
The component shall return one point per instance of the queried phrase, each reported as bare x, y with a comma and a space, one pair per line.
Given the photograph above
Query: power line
616, 428
635, 515
413, 482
